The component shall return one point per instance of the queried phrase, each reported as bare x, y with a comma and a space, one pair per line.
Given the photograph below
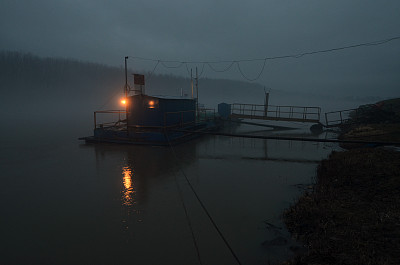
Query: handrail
179, 123
261, 105
111, 111
119, 112
344, 117
277, 112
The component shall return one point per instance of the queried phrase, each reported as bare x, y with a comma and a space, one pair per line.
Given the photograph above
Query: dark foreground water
64, 202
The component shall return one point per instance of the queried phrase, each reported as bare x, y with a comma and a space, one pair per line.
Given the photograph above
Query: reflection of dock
266, 158
276, 113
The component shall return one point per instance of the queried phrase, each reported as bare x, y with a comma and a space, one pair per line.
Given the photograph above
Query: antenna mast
197, 91
191, 80
126, 78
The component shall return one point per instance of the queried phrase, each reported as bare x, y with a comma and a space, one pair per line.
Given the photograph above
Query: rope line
232, 62
175, 66
188, 221
299, 55
152, 72
202, 70
221, 71
187, 69
249, 79
202, 204
284, 138
188, 72
237, 62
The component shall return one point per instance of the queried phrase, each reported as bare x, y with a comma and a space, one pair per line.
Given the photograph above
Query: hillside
30, 77
26, 77
70, 87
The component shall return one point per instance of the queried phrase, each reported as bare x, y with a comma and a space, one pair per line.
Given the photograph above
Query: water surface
65, 202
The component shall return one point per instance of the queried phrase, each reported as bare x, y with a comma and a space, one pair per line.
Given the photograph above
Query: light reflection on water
128, 191
120, 204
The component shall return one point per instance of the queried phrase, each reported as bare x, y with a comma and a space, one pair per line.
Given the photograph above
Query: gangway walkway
276, 113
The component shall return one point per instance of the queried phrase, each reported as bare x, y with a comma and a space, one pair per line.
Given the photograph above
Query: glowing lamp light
123, 101
151, 104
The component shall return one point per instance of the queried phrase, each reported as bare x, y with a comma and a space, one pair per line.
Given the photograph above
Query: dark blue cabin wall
179, 110
166, 111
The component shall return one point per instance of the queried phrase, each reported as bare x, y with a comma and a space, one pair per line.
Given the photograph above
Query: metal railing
205, 114
119, 123
181, 121
337, 118
277, 112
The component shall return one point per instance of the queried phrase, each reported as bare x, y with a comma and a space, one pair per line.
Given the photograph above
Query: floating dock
151, 120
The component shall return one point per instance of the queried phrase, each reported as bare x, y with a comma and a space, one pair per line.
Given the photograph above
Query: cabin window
152, 104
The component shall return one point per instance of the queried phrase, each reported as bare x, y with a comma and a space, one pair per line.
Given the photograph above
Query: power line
374, 43
152, 72
163, 63
251, 79
179, 64
232, 62
202, 70
221, 71
298, 55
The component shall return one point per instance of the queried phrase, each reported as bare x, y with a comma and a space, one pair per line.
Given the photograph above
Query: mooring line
202, 204
186, 213
289, 138
188, 221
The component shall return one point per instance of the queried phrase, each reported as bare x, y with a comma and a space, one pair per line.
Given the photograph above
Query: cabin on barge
152, 120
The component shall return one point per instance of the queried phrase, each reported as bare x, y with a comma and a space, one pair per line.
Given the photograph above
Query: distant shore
352, 215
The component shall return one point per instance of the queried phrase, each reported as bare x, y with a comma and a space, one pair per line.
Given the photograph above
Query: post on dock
126, 79
126, 97
197, 92
266, 104
191, 81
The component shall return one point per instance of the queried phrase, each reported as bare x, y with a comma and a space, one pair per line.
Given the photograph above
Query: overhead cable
163, 63
152, 72
221, 71
202, 70
251, 79
237, 62
299, 55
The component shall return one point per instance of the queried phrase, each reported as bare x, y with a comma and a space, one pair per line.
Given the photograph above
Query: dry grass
374, 132
353, 214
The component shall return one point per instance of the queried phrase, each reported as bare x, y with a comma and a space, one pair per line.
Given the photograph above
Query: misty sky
209, 30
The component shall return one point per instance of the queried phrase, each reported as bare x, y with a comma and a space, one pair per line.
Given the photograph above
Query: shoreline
352, 214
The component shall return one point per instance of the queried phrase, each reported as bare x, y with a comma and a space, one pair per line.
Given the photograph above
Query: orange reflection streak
128, 186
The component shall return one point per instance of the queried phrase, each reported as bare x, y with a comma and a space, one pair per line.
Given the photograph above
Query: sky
219, 30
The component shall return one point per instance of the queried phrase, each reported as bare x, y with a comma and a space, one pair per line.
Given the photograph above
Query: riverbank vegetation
352, 215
